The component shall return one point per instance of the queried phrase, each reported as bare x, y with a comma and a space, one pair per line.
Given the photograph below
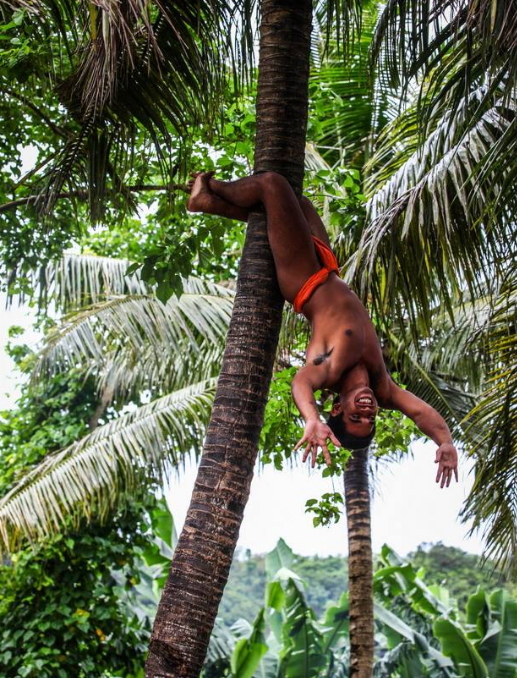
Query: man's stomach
334, 301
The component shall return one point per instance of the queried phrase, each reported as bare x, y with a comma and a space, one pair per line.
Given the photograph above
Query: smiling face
359, 409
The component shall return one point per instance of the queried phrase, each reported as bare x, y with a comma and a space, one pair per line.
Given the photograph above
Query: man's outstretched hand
447, 460
316, 435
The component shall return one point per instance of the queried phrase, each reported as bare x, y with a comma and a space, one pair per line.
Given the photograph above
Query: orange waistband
329, 264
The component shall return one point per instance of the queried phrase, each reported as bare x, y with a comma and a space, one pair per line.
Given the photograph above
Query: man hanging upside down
344, 354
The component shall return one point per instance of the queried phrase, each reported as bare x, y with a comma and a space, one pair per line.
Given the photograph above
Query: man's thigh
290, 240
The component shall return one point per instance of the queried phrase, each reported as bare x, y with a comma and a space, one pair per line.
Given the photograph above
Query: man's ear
336, 409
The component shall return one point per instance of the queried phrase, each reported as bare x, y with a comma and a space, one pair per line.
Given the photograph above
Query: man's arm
430, 422
306, 381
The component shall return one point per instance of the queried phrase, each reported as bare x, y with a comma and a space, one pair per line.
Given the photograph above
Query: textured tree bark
203, 556
360, 586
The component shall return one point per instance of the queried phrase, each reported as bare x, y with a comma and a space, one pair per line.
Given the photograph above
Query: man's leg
202, 199
314, 220
288, 231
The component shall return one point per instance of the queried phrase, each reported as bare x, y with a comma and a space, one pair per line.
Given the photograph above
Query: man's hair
347, 440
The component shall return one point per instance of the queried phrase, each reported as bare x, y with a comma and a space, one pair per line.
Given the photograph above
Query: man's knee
274, 183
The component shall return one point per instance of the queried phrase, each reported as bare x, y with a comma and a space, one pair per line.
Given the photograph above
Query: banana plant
487, 646
482, 646
420, 632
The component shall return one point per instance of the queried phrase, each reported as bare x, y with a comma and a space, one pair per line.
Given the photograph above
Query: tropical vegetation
410, 157
420, 631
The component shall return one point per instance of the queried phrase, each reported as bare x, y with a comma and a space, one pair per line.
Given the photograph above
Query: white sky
408, 508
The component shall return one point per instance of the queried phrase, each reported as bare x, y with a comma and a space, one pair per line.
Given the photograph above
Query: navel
349, 333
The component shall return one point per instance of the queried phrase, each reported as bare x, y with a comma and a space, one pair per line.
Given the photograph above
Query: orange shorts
329, 264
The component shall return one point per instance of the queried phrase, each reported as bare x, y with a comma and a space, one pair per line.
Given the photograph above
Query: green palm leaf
425, 208
78, 280
131, 68
493, 498
92, 475
124, 334
347, 112
188, 323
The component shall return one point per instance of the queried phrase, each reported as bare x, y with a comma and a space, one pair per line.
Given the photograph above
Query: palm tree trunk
360, 569
204, 553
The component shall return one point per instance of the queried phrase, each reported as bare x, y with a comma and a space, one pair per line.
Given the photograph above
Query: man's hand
447, 460
315, 435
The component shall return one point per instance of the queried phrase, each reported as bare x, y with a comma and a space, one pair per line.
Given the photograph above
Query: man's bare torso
343, 337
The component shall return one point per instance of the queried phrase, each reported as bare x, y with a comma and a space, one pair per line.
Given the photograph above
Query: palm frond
426, 239
141, 321
448, 393
153, 67
127, 373
134, 341
419, 34
492, 503
90, 476
341, 22
79, 280
346, 112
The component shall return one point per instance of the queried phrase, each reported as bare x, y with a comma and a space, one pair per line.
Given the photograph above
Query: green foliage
456, 644
460, 572
419, 629
60, 612
282, 421
249, 651
244, 592
440, 566
327, 510
49, 415
303, 643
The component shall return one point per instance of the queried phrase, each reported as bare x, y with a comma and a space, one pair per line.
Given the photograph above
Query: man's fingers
299, 444
439, 473
456, 473
307, 452
326, 455
438, 456
446, 476
314, 455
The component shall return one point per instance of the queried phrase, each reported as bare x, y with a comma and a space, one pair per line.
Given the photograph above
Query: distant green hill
327, 578
459, 572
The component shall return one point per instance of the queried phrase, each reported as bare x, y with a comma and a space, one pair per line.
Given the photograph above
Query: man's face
359, 409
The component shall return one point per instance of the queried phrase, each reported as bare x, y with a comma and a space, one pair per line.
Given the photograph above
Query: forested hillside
460, 572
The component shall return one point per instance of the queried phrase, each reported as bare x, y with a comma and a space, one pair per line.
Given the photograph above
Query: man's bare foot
200, 194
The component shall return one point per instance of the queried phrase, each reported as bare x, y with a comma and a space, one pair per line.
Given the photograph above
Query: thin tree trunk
204, 553
360, 570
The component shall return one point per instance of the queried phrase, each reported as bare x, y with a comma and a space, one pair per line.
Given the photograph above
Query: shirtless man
344, 354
